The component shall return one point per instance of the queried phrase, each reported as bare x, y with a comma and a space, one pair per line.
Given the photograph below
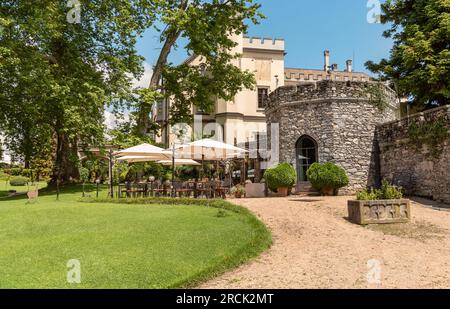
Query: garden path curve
314, 246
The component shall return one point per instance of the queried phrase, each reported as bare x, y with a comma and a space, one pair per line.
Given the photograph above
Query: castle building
243, 119
320, 115
331, 121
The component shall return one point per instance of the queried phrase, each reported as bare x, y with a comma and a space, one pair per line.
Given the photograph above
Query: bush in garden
16, 171
327, 176
387, 192
281, 176
17, 181
120, 172
390, 192
26, 172
367, 195
167, 176
3, 175
84, 176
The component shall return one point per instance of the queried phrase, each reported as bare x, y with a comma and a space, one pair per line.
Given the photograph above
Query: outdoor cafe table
209, 189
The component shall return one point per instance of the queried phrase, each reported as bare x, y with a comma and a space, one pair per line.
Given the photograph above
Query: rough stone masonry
340, 117
419, 169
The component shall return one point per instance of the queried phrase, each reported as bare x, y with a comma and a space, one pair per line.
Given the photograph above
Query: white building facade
242, 120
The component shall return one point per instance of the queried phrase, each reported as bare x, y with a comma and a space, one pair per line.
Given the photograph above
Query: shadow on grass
51, 190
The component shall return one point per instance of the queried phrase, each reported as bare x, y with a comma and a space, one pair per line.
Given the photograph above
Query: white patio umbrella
209, 150
179, 162
145, 150
139, 159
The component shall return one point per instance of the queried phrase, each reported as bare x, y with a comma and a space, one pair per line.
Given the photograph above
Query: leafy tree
208, 27
419, 62
56, 76
126, 133
22, 83
124, 136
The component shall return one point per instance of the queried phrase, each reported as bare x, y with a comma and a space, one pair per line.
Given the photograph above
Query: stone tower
331, 121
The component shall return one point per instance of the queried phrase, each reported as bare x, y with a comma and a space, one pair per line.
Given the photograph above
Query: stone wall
340, 117
416, 167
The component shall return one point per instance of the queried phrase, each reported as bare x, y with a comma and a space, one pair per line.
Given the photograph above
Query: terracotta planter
238, 195
283, 192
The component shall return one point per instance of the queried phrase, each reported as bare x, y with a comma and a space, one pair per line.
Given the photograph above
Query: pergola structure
105, 153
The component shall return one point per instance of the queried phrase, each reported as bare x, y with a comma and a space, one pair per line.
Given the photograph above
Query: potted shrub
378, 206
328, 178
281, 178
238, 191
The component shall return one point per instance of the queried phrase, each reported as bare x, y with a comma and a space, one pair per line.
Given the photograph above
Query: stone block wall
415, 167
340, 118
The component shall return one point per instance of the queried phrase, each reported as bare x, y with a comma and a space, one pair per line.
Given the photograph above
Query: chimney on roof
334, 67
349, 65
326, 54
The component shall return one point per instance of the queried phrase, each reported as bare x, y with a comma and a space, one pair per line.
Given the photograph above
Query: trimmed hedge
215, 203
281, 176
15, 171
18, 181
326, 176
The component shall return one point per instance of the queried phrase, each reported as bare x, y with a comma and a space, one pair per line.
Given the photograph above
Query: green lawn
120, 246
5, 187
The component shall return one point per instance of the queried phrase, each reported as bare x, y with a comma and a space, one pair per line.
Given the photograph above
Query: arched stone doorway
306, 154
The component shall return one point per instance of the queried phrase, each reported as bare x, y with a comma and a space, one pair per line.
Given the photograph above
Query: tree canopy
419, 62
63, 62
208, 27
57, 75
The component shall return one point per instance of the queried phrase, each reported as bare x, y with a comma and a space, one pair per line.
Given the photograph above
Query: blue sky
308, 27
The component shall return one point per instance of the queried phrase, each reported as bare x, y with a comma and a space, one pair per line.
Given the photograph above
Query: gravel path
316, 247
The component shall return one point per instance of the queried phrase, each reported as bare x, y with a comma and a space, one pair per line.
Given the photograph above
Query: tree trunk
26, 164
65, 168
172, 35
144, 115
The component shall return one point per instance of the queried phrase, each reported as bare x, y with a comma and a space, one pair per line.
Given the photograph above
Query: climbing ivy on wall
376, 94
432, 134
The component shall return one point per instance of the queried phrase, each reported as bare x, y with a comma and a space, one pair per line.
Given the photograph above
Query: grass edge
260, 241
